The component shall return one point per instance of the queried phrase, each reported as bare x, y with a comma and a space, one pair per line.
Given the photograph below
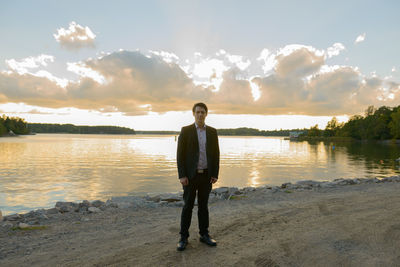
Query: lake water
37, 171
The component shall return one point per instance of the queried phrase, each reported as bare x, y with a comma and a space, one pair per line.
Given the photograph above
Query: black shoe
182, 244
208, 240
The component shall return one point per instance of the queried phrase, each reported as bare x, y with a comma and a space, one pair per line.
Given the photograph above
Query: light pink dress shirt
201, 135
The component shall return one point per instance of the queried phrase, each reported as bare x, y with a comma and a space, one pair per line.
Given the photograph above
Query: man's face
200, 115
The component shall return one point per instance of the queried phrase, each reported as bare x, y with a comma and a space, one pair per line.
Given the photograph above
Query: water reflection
36, 171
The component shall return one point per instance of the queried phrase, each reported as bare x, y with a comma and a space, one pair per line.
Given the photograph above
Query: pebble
98, 203
23, 225
94, 210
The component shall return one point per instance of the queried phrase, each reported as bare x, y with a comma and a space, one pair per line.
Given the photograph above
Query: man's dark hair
202, 105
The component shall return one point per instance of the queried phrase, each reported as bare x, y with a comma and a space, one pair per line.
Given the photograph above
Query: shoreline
351, 222
155, 200
216, 193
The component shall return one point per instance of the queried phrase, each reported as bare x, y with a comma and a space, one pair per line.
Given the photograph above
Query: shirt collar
201, 128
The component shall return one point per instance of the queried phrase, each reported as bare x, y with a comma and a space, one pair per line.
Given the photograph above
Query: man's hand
184, 181
213, 180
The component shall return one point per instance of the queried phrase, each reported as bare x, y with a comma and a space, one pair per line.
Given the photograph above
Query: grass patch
237, 197
30, 228
288, 191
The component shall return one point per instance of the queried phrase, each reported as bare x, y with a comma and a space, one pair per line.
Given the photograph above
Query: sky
143, 64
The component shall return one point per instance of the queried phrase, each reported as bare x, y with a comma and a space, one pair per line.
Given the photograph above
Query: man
198, 167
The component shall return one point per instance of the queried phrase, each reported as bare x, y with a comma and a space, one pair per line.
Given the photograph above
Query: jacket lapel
195, 138
208, 133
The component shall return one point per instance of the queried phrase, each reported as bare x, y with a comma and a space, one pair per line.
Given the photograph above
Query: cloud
298, 80
30, 66
360, 38
83, 71
335, 49
75, 37
166, 56
25, 64
269, 60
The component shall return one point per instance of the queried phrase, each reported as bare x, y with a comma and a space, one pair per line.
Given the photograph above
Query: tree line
376, 124
254, 132
73, 129
14, 125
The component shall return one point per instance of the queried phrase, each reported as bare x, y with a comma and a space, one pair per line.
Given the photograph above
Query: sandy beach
346, 223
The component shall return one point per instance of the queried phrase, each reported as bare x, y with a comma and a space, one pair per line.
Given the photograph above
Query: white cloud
289, 49
209, 72
30, 66
75, 37
84, 71
166, 56
255, 89
238, 61
221, 52
334, 50
300, 81
25, 64
360, 38
59, 81
269, 60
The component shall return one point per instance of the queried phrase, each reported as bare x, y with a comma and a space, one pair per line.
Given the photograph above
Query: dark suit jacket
188, 152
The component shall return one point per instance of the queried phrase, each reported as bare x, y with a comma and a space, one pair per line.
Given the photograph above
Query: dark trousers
201, 185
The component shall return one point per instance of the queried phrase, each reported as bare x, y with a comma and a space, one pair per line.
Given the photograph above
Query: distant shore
351, 222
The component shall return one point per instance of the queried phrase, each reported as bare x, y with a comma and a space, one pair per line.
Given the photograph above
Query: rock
98, 203
13, 217
225, 192
249, 189
83, 206
52, 211
342, 181
133, 202
94, 210
170, 197
110, 204
156, 198
82, 209
308, 183
7, 224
85, 219
391, 179
234, 191
64, 209
1, 216
221, 190
66, 206
33, 217
327, 185
23, 225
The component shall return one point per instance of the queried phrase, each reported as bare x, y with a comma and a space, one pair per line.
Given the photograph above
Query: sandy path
357, 225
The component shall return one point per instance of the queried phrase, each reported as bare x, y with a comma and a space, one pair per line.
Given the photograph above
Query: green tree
332, 127
394, 125
314, 131
3, 129
353, 128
